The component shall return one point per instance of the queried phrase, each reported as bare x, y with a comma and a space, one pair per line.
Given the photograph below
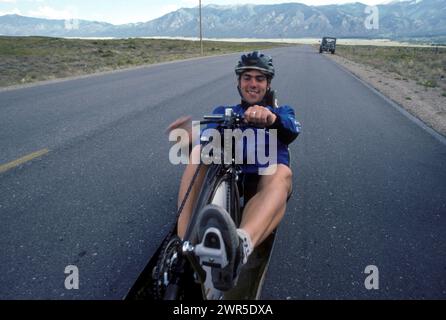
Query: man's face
253, 85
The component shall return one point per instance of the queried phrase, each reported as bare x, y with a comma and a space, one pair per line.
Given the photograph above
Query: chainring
163, 271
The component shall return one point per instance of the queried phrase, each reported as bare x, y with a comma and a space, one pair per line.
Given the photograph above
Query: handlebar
228, 120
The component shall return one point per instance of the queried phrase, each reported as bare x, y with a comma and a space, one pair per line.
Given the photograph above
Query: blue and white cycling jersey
288, 128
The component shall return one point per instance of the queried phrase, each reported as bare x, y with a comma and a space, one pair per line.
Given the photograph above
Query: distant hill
398, 19
15, 25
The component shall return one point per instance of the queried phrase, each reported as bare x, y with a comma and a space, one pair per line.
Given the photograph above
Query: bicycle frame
219, 187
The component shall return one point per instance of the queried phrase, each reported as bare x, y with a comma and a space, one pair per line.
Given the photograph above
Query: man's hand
181, 123
260, 116
184, 123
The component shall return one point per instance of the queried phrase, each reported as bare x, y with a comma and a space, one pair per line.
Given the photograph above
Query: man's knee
282, 177
286, 172
286, 177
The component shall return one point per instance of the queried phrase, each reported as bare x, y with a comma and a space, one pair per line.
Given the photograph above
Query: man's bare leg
266, 209
188, 174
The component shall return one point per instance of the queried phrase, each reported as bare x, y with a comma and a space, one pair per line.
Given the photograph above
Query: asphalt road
370, 184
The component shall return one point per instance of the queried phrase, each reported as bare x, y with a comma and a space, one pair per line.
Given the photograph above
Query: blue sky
125, 11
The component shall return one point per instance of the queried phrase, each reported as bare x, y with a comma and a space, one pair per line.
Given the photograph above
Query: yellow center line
29, 157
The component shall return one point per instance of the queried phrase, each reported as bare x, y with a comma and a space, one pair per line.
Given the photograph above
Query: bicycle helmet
256, 61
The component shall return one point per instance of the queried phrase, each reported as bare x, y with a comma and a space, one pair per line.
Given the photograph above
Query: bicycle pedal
211, 251
212, 241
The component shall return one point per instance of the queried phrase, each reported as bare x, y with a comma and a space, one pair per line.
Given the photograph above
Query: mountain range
397, 19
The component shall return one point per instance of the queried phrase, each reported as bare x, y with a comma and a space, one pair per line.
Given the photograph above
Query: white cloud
13, 11
141, 16
168, 8
191, 3
48, 12
7, 1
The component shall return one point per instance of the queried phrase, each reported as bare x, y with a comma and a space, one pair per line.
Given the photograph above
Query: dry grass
427, 66
30, 59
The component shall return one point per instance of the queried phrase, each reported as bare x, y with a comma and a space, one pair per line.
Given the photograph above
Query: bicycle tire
212, 181
172, 292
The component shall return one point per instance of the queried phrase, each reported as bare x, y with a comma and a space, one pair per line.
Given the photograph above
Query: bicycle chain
156, 288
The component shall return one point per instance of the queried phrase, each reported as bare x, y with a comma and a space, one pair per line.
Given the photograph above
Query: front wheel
173, 292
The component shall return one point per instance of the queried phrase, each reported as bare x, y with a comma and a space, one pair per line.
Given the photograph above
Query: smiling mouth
251, 92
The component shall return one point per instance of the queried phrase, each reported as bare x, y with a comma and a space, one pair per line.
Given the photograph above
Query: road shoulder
427, 104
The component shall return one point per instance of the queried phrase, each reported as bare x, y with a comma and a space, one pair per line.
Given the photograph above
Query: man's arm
288, 128
281, 118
